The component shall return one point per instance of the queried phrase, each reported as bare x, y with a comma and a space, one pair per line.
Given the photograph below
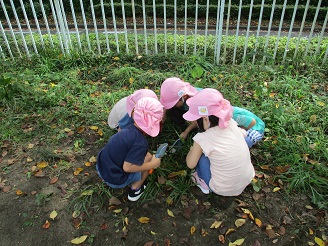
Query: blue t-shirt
127, 145
243, 117
125, 121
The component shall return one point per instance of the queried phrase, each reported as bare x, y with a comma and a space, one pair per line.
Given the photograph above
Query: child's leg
136, 185
203, 169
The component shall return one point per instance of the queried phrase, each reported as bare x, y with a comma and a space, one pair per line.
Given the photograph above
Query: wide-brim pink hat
136, 96
173, 89
209, 102
148, 114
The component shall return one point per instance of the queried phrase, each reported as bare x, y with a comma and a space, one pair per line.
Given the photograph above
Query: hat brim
169, 105
190, 117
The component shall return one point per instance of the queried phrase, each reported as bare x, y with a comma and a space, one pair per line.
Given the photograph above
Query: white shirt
231, 167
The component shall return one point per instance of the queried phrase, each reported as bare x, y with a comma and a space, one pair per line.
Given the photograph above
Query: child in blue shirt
125, 159
253, 125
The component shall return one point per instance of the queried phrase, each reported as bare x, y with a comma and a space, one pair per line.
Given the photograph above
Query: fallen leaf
126, 220
39, 174
53, 214
114, 201
319, 241
169, 201
117, 211
30, 146
103, 226
93, 159
87, 164
310, 231
6, 189
246, 211
240, 222
170, 213
192, 230
237, 242
95, 128
42, 164
221, 239
161, 180
275, 189
76, 214
46, 225
19, 192
80, 129
229, 231
79, 240
53, 180
152, 233
78, 170
282, 231
144, 220
216, 224
204, 233
258, 222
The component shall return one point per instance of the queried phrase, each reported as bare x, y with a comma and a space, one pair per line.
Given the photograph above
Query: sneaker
200, 183
134, 195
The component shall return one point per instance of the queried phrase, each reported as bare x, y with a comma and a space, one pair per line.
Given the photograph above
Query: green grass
43, 97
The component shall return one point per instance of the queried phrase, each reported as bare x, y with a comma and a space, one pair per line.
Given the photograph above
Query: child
253, 125
174, 94
120, 115
219, 153
125, 159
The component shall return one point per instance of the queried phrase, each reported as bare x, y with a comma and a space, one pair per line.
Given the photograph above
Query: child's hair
213, 120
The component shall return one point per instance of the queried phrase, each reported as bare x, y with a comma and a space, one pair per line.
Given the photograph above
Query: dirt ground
267, 217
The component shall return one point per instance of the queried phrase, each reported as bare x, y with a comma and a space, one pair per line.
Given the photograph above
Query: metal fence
224, 32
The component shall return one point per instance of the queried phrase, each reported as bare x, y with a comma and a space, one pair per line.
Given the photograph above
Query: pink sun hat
136, 96
209, 102
148, 114
173, 89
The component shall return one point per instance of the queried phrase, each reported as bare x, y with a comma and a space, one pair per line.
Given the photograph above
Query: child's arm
192, 126
132, 168
194, 155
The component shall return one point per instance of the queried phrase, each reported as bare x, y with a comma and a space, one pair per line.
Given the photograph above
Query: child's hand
155, 162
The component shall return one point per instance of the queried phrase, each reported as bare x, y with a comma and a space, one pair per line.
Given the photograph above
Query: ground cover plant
54, 111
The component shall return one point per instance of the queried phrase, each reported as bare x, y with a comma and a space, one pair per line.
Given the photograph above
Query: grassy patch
61, 105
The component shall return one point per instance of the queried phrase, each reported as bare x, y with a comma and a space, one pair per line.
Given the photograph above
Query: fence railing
227, 32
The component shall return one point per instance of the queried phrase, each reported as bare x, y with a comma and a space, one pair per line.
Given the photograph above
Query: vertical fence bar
325, 58
85, 25
165, 31
290, 31
185, 27
46, 23
62, 26
248, 27
312, 28
57, 29
321, 35
226, 33
10, 28
217, 31
258, 30
61, 5
301, 30
6, 40
37, 23
145, 25
237, 32
135, 27
279, 30
66, 23
2, 54
175, 26
195, 36
206, 26
155, 27
115, 28
75, 25
219, 37
269, 29
28, 26
105, 24
95, 26
125, 29
19, 28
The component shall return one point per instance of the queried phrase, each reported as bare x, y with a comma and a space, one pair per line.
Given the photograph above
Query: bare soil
271, 218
